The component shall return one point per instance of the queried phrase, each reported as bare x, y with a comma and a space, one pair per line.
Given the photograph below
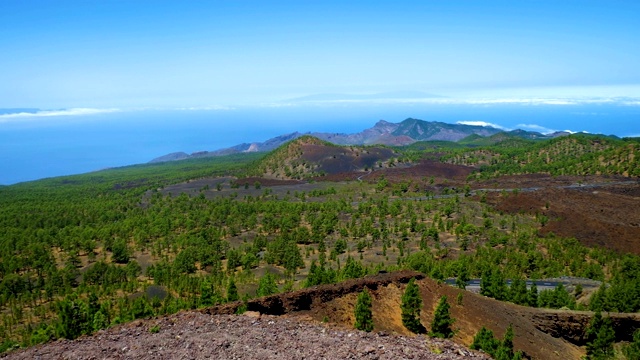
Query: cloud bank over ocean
480, 123
53, 113
340, 100
529, 127
470, 101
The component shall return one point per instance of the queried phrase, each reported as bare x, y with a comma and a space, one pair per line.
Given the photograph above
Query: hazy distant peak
171, 157
560, 133
383, 123
385, 126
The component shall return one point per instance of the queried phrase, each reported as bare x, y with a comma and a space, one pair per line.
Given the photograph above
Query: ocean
34, 148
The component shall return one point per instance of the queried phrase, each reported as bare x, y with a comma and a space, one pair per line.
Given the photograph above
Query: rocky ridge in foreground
196, 335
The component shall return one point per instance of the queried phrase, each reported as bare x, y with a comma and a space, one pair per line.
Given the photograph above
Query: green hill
307, 157
578, 154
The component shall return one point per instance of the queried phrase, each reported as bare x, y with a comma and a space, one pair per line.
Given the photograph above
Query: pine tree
484, 340
493, 284
267, 285
632, 351
363, 314
505, 349
532, 296
232, 291
353, 269
120, 252
498, 285
292, 258
411, 305
518, 292
140, 308
598, 299
600, 337
461, 283
207, 293
72, 318
463, 276
486, 286
441, 325
499, 350
507, 340
99, 321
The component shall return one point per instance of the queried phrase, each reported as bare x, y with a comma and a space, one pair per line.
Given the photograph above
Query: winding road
548, 284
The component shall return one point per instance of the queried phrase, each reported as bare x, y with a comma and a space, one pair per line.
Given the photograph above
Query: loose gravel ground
194, 335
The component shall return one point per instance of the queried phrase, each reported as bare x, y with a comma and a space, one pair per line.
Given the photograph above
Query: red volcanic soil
430, 168
335, 160
345, 176
542, 181
422, 172
607, 216
266, 181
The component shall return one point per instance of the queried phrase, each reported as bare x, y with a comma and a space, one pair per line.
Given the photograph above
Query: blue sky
133, 54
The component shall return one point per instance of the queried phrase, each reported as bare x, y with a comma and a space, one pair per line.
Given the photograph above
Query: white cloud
534, 127
531, 101
521, 101
480, 123
51, 113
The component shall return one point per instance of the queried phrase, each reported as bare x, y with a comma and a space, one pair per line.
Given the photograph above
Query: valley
300, 231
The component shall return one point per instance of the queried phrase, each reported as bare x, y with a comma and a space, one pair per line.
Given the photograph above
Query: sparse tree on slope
505, 350
267, 285
442, 321
363, 314
207, 293
500, 350
600, 338
484, 340
411, 305
232, 291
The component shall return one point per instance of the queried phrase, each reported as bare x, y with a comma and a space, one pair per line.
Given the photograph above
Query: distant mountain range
383, 132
